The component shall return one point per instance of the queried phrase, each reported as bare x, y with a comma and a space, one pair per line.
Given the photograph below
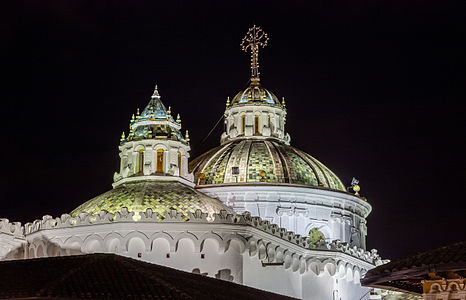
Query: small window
256, 125
141, 161
159, 161
243, 123
179, 163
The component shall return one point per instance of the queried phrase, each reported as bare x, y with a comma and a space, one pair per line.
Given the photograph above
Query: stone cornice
261, 230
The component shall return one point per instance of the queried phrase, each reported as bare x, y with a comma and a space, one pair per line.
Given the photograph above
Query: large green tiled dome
262, 161
159, 196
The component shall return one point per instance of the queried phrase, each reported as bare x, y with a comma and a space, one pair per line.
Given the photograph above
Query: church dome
262, 161
159, 196
255, 94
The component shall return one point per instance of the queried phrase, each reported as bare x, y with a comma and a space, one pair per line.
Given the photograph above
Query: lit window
159, 161
243, 123
179, 162
141, 161
256, 125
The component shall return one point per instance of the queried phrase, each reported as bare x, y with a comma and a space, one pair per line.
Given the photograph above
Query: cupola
255, 112
154, 148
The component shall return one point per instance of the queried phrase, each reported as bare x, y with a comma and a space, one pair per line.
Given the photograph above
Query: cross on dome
252, 41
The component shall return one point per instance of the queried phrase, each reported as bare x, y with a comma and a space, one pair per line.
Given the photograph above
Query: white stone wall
129, 156
236, 248
275, 128
339, 216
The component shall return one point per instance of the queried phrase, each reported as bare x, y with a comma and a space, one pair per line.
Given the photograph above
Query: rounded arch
330, 267
315, 266
242, 242
158, 146
261, 250
139, 147
113, 242
73, 240
253, 248
136, 234
287, 261
453, 287
271, 252
435, 288
295, 263
164, 236
349, 273
40, 250
341, 269
93, 243
31, 252
213, 236
188, 236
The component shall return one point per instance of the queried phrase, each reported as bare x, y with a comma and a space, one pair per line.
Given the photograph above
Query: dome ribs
320, 173
288, 172
277, 163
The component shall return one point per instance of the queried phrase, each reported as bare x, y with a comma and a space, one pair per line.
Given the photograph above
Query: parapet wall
125, 216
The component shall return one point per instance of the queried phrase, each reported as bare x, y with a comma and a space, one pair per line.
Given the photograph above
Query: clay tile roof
110, 276
406, 274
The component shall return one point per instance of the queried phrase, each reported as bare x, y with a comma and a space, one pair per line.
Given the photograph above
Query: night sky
374, 89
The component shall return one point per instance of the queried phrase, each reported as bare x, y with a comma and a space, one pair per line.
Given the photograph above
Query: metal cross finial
254, 38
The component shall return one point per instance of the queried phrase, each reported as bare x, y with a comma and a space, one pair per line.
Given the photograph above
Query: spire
156, 93
252, 41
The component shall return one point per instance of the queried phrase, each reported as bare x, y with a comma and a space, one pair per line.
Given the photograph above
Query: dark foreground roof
406, 274
110, 276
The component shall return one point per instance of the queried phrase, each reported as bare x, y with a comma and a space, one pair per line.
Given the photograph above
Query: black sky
374, 89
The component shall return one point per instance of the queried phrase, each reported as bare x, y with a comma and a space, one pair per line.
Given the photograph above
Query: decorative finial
132, 118
178, 119
169, 112
156, 93
122, 137
187, 136
137, 112
254, 38
228, 101
283, 102
355, 186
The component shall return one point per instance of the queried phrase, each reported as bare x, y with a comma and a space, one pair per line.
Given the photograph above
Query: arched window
159, 161
270, 125
141, 161
179, 163
256, 124
243, 123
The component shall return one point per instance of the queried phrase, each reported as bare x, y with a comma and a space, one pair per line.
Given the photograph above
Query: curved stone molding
104, 217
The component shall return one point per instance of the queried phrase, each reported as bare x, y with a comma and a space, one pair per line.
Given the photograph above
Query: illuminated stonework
256, 211
160, 197
243, 160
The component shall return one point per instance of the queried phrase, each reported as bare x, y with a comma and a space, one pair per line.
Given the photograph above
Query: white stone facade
241, 248
256, 121
339, 216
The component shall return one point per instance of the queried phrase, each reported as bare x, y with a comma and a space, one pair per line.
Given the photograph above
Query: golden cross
254, 38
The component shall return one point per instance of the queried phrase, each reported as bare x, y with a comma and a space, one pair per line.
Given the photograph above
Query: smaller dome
159, 196
255, 93
155, 122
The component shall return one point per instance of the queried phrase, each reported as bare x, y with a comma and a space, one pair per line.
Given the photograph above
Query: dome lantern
155, 147
255, 112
